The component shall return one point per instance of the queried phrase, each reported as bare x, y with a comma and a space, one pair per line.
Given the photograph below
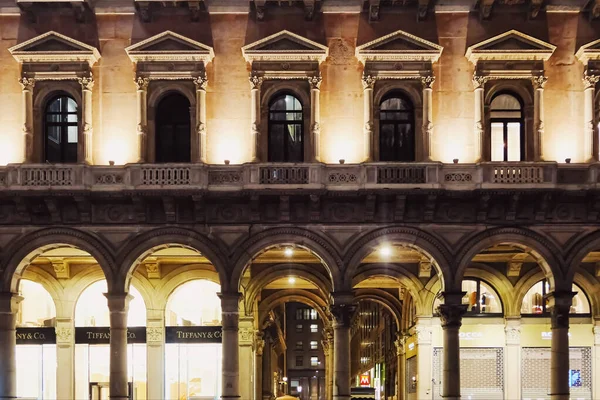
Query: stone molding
427, 51
80, 52
539, 51
312, 51
197, 52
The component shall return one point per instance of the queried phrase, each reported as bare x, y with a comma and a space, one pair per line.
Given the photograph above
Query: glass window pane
184, 310
514, 141
395, 103
29, 371
54, 106
580, 304
489, 302
71, 105
497, 141
72, 118
387, 141
533, 302
276, 152
72, 134
470, 298
505, 102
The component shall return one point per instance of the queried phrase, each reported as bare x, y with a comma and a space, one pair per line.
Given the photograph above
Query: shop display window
534, 302
480, 298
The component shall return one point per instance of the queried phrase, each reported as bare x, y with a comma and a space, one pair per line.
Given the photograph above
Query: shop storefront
92, 349
411, 348
193, 354
36, 343
535, 361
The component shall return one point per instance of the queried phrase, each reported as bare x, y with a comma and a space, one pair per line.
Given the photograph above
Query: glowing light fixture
385, 251
291, 280
288, 252
342, 161
226, 162
568, 160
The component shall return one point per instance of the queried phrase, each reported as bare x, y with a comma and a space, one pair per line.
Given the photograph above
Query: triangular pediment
399, 46
284, 45
54, 47
510, 45
590, 51
169, 46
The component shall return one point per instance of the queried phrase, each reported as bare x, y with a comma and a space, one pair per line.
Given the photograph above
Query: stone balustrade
336, 177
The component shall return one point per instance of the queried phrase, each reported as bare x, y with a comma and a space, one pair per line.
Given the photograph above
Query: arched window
183, 309
534, 302
62, 130
507, 128
173, 134
396, 128
37, 308
286, 129
480, 298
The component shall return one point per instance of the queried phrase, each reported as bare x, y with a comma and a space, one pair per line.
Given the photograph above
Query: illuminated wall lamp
568, 160
455, 161
226, 162
342, 161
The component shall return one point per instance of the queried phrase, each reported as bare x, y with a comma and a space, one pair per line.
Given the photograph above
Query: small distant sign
365, 380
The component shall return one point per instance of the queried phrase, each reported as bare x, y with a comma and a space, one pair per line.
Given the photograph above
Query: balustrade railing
299, 176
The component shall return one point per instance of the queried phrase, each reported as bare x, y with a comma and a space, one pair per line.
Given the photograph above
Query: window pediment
399, 46
589, 52
285, 46
169, 47
510, 46
53, 47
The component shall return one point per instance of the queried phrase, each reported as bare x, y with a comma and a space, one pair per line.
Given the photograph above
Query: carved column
230, 345
142, 117
155, 350
368, 83
199, 142
259, 345
559, 304
424, 357
512, 365
538, 116
87, 83
255, 84
479, 115
596, 360
246, 343
27, 85
267, 370
589, 121
65, 356
8, 343
327, 344
451, 313
118, 305
342, 311
400, 384
427, 82
315, 115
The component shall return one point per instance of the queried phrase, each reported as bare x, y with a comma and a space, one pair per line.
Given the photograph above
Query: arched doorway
36, 343
92, 338
193, 341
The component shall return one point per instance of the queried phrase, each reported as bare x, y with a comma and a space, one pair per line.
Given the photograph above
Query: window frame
392, 94
299, 361
471, 313
55, 95
505, 122
274, 98
157, 125
545, 312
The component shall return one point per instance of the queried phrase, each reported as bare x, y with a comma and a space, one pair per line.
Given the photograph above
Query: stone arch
262, 279
546, 253
297, 295
404, 277
579, 251
144, 244
431, 291
31, 245
393, 305
270, 238
498, 282
411, 237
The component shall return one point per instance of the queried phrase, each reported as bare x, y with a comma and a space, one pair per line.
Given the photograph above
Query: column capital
255, 82
451, 313
512, 329
589, 81
315, 82
87, 82
259, 343
200, 82
27, 83
559, 303
427, 81
141, 83
539, 81
399, 343
118, 302
342, 313
230, 301
479, 81
9, 303
368, 81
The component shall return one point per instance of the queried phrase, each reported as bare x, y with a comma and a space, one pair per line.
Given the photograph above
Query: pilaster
538, 116
142, 117
199, 138
255, 84
479, 115
65, 357
368, 83
512, 363
246, 343
87, 83
27, 85
315, 115
589, 121
427, 128
155, 350
8, 342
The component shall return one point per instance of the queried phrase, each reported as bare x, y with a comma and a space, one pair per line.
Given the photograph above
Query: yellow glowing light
8, 151
385, 251
118, 151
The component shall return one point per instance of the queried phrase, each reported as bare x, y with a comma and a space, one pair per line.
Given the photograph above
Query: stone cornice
589, 51
81, 52
202, 53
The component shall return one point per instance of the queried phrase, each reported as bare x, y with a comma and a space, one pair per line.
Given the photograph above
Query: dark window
507, 139
62, 130
299, 328
396, 129
299, 361
286, 137
173, 129
299, 314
